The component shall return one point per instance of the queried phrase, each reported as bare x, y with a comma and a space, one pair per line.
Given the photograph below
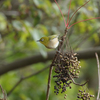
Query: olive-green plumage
50, 42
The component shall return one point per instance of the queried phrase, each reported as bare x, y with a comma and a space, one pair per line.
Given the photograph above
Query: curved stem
83, 21
98, 65
68, 14
77, 10
61, 12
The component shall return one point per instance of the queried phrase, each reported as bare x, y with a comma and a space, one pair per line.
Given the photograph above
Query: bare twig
4, 94
49, 81
75, 82
97, 58
51, 66
23, 78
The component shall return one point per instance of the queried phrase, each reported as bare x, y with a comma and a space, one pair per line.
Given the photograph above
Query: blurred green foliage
23, 22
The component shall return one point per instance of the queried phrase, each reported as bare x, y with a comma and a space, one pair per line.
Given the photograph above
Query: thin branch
51, 66
75, 82
83, 21
23, 78
68, 14
61, 12
71, 31
49, 81
97, 58
4, 94
76, 11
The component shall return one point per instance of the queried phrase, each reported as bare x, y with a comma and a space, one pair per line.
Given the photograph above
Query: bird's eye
42, 39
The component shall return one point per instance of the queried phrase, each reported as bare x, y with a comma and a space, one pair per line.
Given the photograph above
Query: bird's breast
53, 43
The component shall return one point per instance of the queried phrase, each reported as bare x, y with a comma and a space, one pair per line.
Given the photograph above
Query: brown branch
4, 94
75, 82
24, 62
51, 66
49, 81
21, 63
23, 78
98, 75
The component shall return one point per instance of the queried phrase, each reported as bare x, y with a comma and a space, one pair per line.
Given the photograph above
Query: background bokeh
22, 22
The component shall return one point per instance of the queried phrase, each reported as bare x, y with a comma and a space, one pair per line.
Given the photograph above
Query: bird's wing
53, 37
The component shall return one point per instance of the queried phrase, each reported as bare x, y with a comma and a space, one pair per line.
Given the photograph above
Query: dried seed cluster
82, 95
66, 67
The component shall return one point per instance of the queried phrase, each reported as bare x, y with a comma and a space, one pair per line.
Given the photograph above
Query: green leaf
3, 22
96, 38
17, 24
42, 28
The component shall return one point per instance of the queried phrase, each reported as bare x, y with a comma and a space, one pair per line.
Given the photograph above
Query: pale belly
53, 44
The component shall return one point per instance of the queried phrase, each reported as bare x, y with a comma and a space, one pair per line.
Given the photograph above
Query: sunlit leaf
96, 38
17, 25
43, 29
3, 22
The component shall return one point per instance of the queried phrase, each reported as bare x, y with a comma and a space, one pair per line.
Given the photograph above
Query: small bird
50, 42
